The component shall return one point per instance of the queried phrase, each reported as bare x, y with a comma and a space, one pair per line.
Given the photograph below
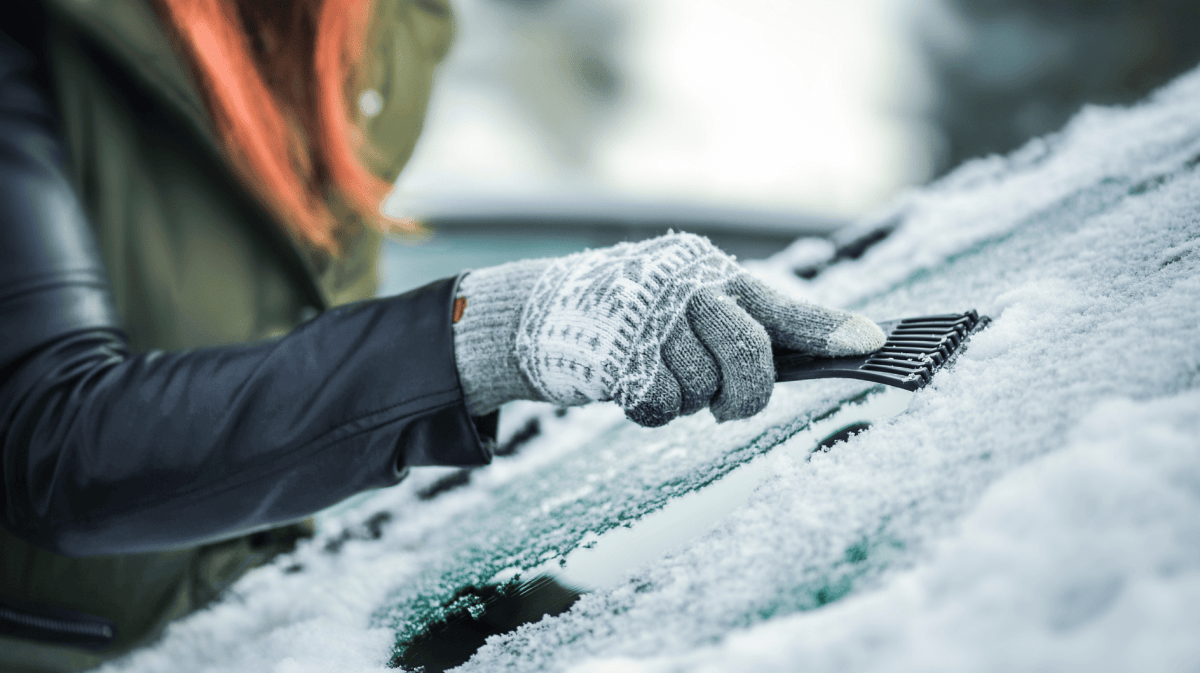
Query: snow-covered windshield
1037, 506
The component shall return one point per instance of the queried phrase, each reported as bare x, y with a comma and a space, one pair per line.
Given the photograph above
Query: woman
190, 355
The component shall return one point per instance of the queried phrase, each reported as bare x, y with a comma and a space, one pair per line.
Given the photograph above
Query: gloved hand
662, 327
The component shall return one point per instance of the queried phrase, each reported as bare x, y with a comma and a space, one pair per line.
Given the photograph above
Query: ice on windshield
1037, 507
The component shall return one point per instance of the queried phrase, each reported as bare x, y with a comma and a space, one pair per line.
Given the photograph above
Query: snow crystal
1037, 507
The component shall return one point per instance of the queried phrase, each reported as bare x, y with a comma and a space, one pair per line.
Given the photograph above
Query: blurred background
562, 124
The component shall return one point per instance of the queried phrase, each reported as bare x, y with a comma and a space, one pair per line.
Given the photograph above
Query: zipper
57, 626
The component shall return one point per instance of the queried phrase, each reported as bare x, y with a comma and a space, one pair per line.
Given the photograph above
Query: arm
103, 451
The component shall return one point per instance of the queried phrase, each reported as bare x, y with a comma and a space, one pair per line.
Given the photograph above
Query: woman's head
276, 75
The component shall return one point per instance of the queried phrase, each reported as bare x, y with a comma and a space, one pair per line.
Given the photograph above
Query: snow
1084, 560
1037, 507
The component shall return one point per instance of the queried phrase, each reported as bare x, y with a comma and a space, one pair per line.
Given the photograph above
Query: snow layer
1037, 508
1084, 560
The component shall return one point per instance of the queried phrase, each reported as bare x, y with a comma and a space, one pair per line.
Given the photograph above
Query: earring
371, 103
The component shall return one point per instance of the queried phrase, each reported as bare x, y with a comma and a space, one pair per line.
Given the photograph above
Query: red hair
275, 76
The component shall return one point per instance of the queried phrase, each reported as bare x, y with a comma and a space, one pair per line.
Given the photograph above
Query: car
1036, 506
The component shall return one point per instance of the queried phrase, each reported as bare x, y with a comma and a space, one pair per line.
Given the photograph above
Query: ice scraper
915, 349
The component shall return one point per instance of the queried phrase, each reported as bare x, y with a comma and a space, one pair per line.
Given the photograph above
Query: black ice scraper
915, 349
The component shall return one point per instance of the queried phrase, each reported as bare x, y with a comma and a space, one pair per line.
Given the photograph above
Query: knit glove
661, 327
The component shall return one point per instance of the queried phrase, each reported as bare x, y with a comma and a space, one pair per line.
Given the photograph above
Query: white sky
795, 104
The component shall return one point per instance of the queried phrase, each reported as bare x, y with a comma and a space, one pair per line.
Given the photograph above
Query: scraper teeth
914, 349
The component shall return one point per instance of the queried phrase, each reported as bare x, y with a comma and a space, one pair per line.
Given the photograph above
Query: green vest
194, 261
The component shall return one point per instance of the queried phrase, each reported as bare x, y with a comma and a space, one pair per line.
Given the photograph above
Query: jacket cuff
448, 436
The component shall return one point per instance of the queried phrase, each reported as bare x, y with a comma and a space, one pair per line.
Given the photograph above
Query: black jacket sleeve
104, 451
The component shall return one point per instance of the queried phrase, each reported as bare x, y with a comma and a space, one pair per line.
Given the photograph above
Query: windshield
1034, 507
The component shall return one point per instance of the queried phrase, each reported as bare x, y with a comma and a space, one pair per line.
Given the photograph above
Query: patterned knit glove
661, 327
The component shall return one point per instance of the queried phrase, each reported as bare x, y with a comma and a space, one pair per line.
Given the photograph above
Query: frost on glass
612, 480
1037, 507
